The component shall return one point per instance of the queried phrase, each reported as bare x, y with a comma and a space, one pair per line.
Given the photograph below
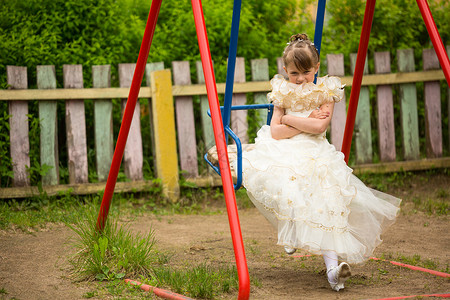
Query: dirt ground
34, 266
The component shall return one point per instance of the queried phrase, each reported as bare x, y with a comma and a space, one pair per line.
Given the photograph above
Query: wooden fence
173, 124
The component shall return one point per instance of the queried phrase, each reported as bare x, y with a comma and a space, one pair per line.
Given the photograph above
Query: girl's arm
281, 131
310, 125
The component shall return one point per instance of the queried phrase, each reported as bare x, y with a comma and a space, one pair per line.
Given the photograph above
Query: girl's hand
319, 114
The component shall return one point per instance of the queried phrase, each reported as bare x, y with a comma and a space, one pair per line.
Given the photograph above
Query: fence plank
280, 69
408, 107
18, 122
363, 130
433, 127
164, 127
207, 129
132, 158
260, 72
75, 127
385, 108
149, 68
335, 67
48, 122
103, 121
184, 109
239, 117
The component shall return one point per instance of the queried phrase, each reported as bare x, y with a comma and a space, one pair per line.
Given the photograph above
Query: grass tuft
111, 254
202, 281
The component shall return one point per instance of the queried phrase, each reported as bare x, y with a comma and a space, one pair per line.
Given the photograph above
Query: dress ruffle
299, 97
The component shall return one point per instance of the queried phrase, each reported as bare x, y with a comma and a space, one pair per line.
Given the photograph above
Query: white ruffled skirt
303, 186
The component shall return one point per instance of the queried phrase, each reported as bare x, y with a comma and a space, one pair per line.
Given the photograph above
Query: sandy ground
34, 266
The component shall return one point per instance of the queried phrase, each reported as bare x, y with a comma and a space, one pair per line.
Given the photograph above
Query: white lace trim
305, 96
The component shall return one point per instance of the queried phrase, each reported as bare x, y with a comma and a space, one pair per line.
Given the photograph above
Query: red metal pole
166, 294
219, 136
357, 78
435, 37
128, 113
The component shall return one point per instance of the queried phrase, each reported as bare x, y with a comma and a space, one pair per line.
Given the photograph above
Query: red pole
219, 136
357, 78
166, 294
435, 37
128, 113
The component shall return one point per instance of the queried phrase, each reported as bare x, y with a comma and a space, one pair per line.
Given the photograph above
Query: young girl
301, 184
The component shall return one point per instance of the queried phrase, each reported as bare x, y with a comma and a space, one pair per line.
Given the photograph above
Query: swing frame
218, 122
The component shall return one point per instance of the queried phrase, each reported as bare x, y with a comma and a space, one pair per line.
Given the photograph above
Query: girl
301, 184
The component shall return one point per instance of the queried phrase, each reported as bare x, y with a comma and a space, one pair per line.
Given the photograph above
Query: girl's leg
337, 274
331, 261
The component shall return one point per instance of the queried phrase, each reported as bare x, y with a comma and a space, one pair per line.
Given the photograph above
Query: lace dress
303, 186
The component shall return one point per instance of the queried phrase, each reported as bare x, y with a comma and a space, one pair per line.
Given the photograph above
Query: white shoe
341, 274
289, 250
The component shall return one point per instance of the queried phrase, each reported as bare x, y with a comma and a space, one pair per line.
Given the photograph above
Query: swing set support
361, 59
241, 263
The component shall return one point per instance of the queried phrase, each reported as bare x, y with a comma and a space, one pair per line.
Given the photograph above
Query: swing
235, 150
241, 264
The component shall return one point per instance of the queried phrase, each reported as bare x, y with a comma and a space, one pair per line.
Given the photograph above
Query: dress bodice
307, 96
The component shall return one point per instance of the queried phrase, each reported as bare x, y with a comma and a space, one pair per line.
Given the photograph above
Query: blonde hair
302, 52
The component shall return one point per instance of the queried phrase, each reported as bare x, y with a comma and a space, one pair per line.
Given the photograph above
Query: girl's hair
301, 51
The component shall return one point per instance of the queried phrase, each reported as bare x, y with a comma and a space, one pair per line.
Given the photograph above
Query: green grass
35, 213
117, 253
416, 260
32, 214
112, 254
201, 281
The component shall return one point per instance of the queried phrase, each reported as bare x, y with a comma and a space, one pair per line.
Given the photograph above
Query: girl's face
298, 77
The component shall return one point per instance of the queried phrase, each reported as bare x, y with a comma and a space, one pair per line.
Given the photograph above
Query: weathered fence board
363, 129
208, 133
184, 109
260, 72
164, 128
280, 67
385, 108
18, 122
408, 107
48, 122
149, 68
335, 67
75, 127
132, 158
433, 127
239, 117
103, 123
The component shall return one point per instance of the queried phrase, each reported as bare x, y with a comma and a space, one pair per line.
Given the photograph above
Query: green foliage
44, 32
6, 173
263, 32
396, 25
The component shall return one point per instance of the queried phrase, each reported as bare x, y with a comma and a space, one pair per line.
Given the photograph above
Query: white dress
303, 186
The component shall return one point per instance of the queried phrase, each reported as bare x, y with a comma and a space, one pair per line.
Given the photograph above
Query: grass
416, 260
111, 254
116, 253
